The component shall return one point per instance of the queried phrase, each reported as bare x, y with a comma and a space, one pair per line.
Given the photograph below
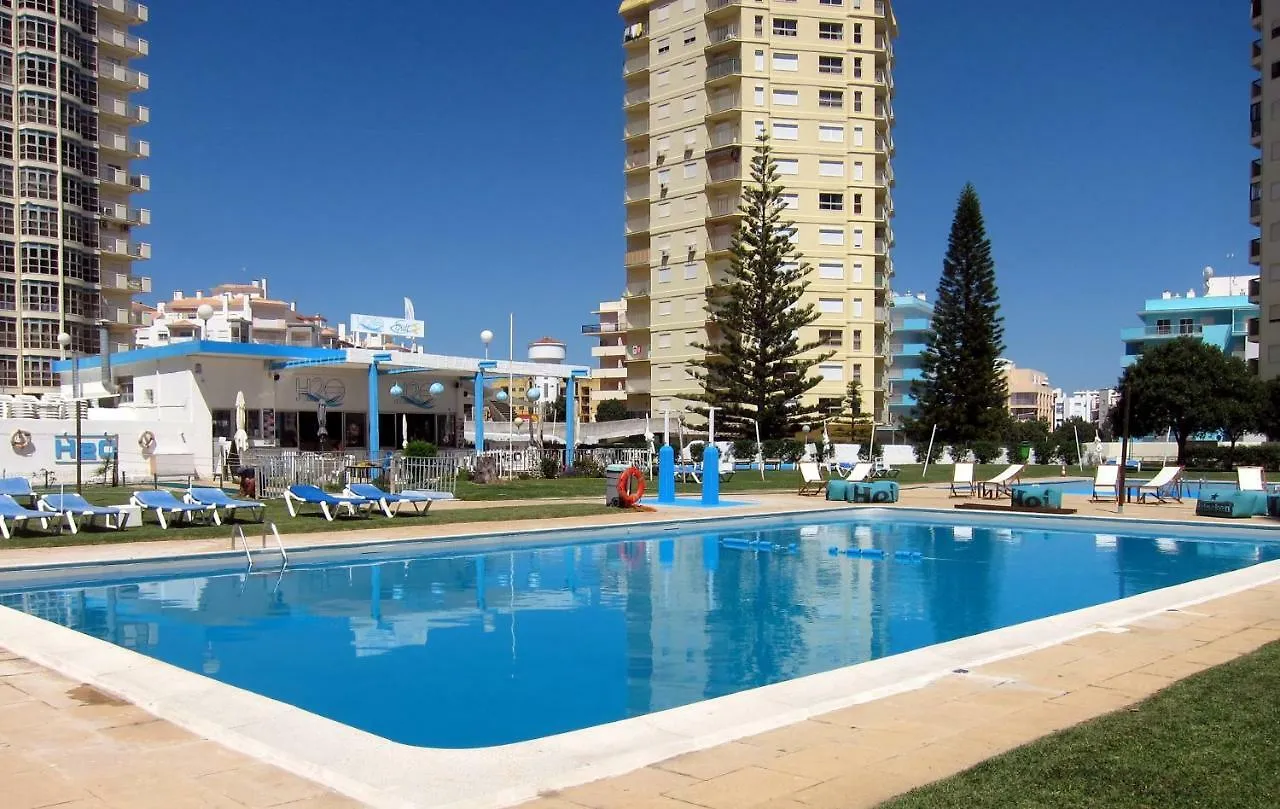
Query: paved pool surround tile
848, 738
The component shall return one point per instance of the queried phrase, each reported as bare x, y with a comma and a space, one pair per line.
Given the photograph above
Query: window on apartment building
857, 67
34, 32
830, 202
786, 61
759, 96
664, 341
786, 130
758, 128
790, 201
689, 5
1164, 326
831, 30
690, 272
831, 99
831, 270
831, 2
784, 27
857, 237
759, 26
664, 275
1275, 70
831, 64
831, 168
831, 371
691, 305
831, 236
41, 71
759, 60
857, 203
689, 103
831, 133
662, 13
664, 45
38, 371
690, 37
858, 133
857, 372
664, 210
663, 111
40, 296
857, 101
8, 333
787, 165
857, 33
690, 170
856, 342
1186, 326
664, 309
662, 78
831, 338
38, 220
857, 308
831, 306
786, 98
8, 299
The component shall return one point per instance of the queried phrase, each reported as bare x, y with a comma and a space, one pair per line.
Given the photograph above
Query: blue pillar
478, 412
666, 474
570, 418
711, 475
374, 448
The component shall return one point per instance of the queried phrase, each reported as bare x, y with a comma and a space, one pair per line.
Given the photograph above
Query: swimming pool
449, 649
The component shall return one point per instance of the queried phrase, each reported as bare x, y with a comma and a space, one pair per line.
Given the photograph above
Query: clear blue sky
469, 157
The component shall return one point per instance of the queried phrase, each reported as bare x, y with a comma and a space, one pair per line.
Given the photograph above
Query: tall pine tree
963, 391
756, 367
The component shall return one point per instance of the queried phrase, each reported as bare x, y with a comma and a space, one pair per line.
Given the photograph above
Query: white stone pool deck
66, 744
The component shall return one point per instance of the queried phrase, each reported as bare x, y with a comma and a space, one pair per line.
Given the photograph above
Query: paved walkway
67, 745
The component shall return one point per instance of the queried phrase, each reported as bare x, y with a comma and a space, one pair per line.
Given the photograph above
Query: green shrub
986, 451
744, 449
421, 449
586, 466
1207, 457
550, 468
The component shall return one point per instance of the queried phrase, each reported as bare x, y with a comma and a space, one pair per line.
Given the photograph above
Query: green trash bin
1024, 452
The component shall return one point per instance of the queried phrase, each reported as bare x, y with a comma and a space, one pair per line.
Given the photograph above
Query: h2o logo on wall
327, 390
93, 448
418, 394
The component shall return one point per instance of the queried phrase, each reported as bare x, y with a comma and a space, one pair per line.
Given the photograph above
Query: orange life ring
627, 497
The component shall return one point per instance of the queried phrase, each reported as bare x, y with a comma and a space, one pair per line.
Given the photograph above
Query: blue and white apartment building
912, 316
1219, 316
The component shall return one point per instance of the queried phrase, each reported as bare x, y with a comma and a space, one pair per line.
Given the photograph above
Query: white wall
48, 436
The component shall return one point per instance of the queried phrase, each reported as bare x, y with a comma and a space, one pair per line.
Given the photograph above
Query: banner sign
388, 326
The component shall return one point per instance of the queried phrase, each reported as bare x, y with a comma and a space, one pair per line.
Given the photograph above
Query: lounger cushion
876, 491
1033, 496
1237, 505
838, 490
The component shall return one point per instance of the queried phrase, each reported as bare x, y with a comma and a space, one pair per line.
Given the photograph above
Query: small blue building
1219, 316
912, 318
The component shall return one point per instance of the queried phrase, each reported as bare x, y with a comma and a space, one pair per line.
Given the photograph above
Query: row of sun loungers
21, 506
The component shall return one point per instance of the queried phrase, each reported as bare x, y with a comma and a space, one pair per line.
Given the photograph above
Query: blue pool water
450, 649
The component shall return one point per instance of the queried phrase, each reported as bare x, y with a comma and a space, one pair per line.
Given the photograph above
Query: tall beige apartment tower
66, 181
703, 79
1264, 185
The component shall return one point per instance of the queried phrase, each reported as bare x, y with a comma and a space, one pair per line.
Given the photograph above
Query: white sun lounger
962, 479
858, 472
1165, 486
1251, 479
811, 480
1105, 481
1003, 483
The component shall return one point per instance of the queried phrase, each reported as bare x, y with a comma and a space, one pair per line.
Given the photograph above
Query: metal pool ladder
238, 532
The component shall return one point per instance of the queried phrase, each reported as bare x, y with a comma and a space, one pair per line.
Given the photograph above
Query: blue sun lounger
212, 496
74, 505
12, 515
162, 502
19, 489
330, 504
421, 501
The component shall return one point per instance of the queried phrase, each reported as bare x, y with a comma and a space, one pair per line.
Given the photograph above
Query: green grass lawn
277, 513
1209, 742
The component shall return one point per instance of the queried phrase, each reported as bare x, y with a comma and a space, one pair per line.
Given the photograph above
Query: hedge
1214, 458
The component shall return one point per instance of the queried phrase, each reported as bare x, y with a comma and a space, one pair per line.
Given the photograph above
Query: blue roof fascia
210, 347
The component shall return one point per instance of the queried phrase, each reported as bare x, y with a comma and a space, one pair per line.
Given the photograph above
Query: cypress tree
756, 367
963, 390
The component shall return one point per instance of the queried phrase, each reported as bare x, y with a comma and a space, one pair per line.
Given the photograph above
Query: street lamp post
64, 340
204, 311
1122, 490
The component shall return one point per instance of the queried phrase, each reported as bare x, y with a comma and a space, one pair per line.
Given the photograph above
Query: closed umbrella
242, 436
404, 427
322, 415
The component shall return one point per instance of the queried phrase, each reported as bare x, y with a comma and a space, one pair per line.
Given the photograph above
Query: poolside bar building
184, 396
